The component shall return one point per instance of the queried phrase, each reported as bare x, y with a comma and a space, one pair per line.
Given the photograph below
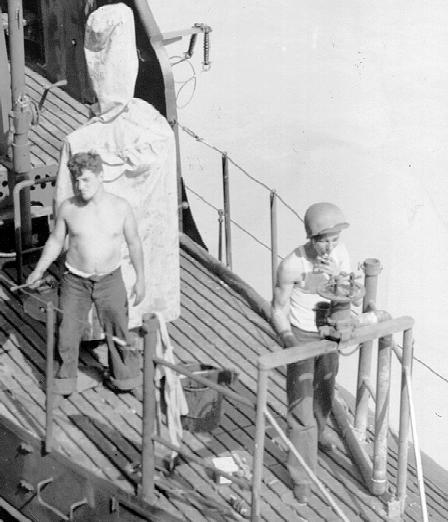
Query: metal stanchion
227, 221
150, 326
262, 395
49, 395
406, 364
372, 268
379, 478
220, 221
274, 237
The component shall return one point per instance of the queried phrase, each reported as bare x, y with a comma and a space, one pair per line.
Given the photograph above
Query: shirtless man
96, 222
310, 383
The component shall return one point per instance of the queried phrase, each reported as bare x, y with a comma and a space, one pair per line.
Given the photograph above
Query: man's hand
327, 265
34, 279
138, 292
288, 339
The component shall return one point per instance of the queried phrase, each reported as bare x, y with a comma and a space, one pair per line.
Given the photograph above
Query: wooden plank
210, 300
232, 301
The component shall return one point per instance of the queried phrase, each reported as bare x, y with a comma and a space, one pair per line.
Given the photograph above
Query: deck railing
150, 326
373, 471
224, 214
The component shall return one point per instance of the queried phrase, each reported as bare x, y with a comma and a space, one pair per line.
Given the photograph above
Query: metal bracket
40, 486
394, 512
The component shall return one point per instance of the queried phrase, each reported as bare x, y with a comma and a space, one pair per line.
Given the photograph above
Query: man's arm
52, 247
136, 254
281, 303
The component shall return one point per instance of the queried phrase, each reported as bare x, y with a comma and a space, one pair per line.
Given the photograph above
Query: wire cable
239, 167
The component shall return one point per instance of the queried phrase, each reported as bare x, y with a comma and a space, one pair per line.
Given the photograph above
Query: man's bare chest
95, 223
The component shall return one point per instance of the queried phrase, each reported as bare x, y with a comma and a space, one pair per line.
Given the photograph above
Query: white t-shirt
304, 296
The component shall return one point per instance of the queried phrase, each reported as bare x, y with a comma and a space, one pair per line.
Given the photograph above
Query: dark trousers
108, 294
310, 391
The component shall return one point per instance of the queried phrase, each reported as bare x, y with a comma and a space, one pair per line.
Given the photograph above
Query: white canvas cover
137, 147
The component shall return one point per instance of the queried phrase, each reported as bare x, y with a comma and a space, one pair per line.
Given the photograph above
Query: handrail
268, 362
265, 364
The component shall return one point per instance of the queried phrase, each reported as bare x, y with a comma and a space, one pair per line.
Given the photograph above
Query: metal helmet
324, 218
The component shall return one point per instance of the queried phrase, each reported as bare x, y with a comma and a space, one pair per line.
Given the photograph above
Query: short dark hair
85, 161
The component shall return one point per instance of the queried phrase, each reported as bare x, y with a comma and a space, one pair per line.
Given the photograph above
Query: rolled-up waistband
90, 277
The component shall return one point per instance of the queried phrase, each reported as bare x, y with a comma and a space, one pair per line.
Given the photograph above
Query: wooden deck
101, 430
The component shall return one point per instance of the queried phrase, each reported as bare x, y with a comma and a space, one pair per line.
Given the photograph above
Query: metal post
49, 396
150, 326
220, 221
372, 268
406, 364
21, 111
5, 94
274, 238
379, 479
227, 221
262, 396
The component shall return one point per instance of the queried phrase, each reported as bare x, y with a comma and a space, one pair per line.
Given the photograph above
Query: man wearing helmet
310, 383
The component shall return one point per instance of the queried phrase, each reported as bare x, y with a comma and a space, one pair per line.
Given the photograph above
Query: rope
239, 167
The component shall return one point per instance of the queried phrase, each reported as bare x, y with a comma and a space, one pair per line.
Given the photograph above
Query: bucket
204, 403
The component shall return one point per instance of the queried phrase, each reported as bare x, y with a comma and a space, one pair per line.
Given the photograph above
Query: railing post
262, 395
379, 478
274, 237
406, 364
372, 268
227, 220
220, 221
49, 377
150, 326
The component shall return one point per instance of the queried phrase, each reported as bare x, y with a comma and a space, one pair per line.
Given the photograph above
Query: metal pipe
372, 268
313, 349
257, 475
379, 479
49, 378
227, 220
5, 94
16, 195
406, 364
274, 237
418, 458
149, 408
206, 382
357, 450
21, 110
220, 221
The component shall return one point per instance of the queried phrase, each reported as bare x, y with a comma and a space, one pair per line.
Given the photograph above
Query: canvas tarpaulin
137, 147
